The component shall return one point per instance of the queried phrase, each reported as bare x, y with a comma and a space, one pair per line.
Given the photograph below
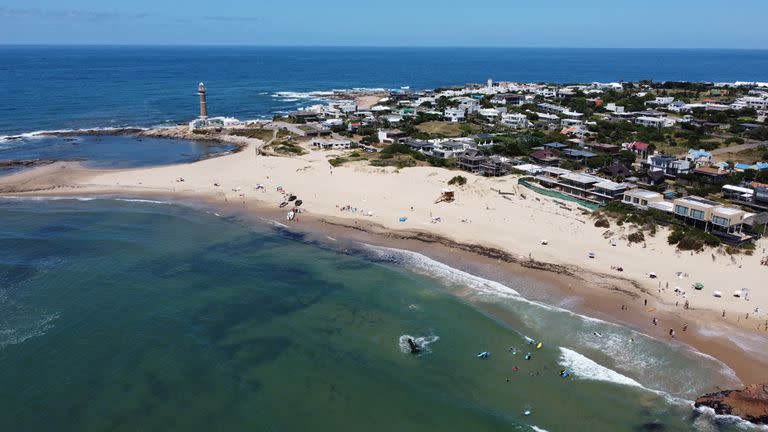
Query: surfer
415, 348
528, 356
597, 334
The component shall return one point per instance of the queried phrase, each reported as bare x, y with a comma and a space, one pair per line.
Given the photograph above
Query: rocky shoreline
750, 404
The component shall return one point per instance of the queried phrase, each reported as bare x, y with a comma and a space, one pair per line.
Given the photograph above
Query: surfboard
538, 346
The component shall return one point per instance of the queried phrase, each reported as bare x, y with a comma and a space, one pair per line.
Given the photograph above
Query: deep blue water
43, 88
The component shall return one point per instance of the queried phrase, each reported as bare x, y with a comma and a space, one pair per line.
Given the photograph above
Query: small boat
291, 215
591, 254
292, 198
717, 294
299, 203
528, 356
283, 204
484, 355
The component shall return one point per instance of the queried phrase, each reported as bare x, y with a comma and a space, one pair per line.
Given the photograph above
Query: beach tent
699, 286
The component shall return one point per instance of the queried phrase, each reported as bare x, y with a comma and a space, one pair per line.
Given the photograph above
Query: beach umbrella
699, 286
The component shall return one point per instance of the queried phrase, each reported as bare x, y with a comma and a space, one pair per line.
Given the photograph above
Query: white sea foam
421, 264
538, 429
422, 341
16, 334
45, 133
584, 368
317, 95
709, 420
83, 199
273, 222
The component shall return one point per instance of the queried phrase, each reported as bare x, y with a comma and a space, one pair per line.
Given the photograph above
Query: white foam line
586, 368
83, 199
427, 266
538, 429
713, 417
43, 133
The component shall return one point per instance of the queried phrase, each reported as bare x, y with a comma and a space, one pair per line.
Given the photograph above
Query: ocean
45, 88
124, 314
139, 315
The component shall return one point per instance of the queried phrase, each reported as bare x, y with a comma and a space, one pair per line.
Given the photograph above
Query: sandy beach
482, 231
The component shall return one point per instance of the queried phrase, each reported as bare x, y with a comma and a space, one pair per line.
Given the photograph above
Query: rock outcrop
751, 404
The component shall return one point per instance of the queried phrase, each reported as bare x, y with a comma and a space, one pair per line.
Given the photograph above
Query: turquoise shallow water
140, 316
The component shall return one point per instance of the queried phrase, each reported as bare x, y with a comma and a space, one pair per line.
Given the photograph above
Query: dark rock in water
415, 349
653, 426
751, 404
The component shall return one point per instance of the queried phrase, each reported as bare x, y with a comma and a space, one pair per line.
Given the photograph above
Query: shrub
458, 181
602, 223
337, 161
636, 237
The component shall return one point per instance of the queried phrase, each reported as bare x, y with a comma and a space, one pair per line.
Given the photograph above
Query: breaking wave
84, 199
708, 420
423, 265
584, 368
45, 133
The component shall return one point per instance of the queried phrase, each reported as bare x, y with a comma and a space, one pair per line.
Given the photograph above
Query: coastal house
641, 198
669, 165
333, 144
545, 157
578, 155
610, 149
738, 193
727, 222
699, 157
711, 174
424, 147
391, 136
640, 148
448, 149
652, 122
583, 186
470, 160
512, 99
455, 115
516, 120
616, 170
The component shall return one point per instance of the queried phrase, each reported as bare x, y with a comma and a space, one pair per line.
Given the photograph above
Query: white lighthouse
203, 104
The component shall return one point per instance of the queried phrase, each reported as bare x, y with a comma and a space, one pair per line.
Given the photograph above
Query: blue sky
530, 23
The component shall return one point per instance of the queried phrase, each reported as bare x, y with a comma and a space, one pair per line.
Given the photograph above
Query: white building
516, 120
332, 144
655, 122
455, 115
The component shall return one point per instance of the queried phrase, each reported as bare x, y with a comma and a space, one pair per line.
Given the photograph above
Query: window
636, 200
682, 211
627, 198
644, 202
717, 220
697, 214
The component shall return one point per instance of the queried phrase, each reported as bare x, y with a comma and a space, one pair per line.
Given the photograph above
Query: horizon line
128, 45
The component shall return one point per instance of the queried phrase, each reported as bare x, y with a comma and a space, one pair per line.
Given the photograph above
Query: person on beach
655, 321
645, 302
